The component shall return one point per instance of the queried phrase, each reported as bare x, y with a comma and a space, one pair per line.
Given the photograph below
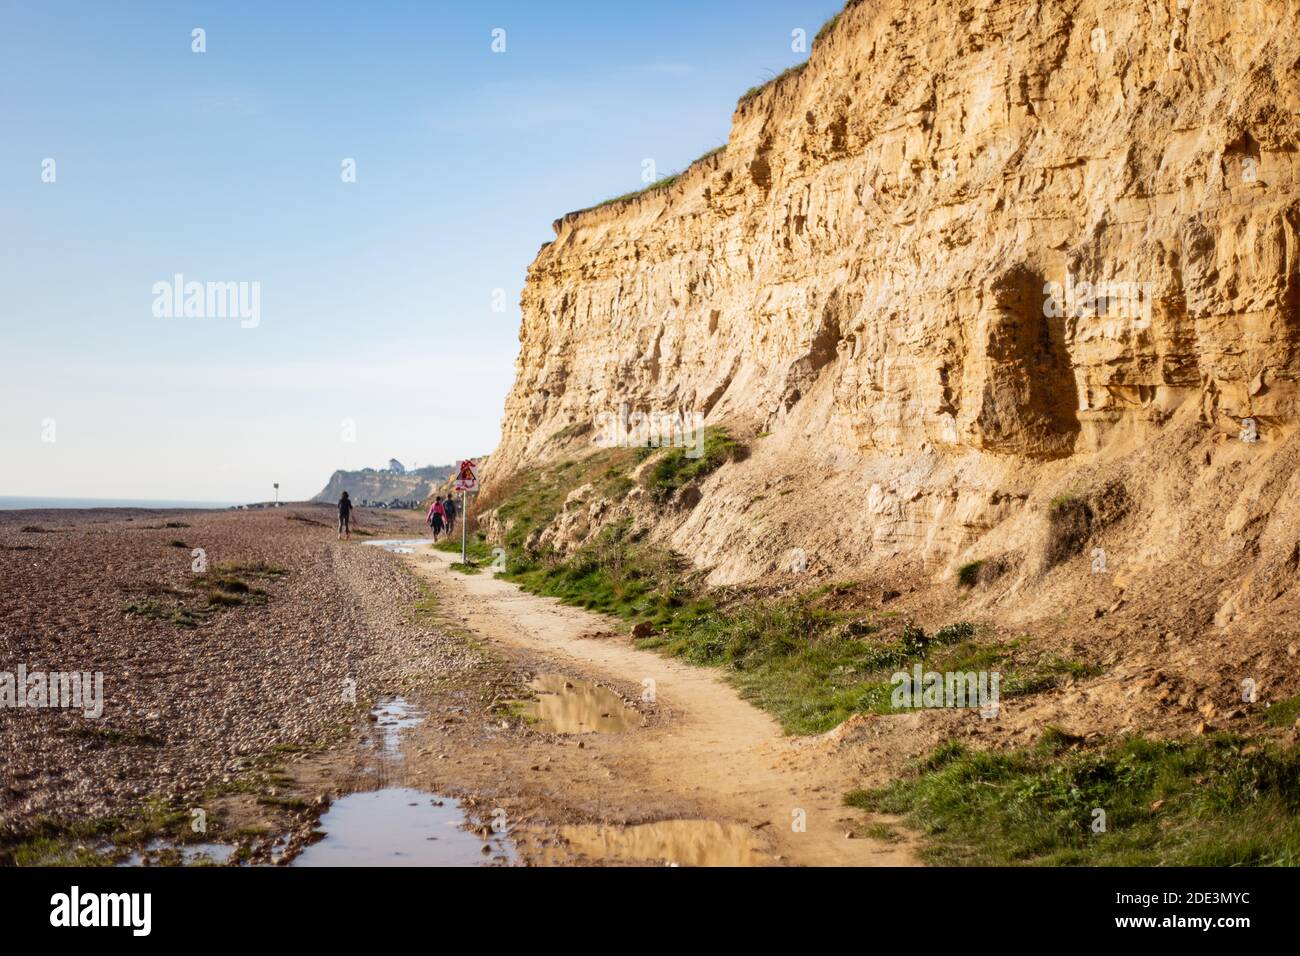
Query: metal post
464, 512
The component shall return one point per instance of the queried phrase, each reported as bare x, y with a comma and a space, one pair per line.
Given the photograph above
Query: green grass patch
50, 842
1284, 713
677, 467
145, 608
177, 614
1217, 801
427, 611
570, 432
882, 832
531, 501
101, 735
1063, 502
477, 550
811, 660
225, 586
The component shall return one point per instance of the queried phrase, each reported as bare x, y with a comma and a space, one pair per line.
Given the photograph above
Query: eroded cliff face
974, 256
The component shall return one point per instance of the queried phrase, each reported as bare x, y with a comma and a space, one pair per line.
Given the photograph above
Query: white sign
466, 476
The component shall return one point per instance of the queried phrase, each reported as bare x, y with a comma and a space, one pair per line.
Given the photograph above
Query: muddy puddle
670, 842
395, 825
388, 825
565, 705
392, 715
158, 852
401, 545
398, 826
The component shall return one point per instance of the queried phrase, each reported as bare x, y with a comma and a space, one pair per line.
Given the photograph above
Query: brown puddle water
566, 705
398, 826
674, 842
394, 825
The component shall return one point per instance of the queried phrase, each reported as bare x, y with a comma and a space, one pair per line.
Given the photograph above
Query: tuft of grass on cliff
1212, 801
798, 68
678, 467
662, 183
785, 74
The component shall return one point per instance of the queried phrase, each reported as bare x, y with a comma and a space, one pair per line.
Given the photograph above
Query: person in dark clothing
345, 515
449, 510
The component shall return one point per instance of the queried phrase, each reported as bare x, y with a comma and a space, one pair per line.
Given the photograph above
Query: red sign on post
466, 476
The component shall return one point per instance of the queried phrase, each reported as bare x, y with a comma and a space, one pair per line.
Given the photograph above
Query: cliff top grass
658, 184
798, 68
745, 97
753, 91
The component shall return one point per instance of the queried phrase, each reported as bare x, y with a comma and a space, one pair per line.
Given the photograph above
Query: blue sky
375, 296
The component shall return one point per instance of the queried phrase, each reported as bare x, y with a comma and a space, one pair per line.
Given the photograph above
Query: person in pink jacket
436, 517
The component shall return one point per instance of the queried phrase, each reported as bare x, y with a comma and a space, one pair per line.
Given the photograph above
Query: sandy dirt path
704, 747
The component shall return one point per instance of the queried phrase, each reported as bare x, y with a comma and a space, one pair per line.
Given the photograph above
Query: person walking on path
345, 516
449, 512
435, 518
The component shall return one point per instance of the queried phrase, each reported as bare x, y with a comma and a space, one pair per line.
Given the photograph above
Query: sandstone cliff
975, 258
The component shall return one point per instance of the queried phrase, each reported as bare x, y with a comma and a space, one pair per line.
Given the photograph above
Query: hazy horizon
387, 307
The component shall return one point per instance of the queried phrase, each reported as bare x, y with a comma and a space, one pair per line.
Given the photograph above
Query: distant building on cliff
394, 483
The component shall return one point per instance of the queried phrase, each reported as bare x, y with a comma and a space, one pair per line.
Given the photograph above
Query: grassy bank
811, 659
815, 657
1217, 801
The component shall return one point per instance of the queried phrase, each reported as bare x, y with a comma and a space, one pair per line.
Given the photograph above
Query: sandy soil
703, 754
